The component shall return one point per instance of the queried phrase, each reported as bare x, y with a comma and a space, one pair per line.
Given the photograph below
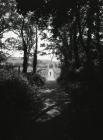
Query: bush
36, 79
3, 57
85, 88
18, 105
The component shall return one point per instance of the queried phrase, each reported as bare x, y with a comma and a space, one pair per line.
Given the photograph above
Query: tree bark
65, 49
76, 55
89, 33
98, 28
80, 28
35, 52
25, 57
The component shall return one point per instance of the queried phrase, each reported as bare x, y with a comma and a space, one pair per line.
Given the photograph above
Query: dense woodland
77, 41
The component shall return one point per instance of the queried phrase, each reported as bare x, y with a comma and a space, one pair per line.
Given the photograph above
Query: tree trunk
100, 52
35, 52
77, 64
25, 57
89, 33
80, 29
98, 30
65, 49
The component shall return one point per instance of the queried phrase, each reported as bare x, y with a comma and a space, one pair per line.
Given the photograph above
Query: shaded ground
52, 124
54, 99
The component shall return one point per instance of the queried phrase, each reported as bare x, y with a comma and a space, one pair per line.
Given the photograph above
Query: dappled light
51, 69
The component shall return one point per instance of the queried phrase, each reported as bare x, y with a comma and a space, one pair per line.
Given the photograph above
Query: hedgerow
19, 105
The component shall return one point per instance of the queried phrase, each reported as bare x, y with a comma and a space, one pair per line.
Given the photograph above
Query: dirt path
54, 99
52, 124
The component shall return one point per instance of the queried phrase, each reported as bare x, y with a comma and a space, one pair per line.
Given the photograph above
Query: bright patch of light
9, 35
16, 53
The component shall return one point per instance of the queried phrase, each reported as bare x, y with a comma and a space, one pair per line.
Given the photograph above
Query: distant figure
50, 75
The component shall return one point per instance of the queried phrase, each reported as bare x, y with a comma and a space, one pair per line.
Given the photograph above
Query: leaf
42, 45
43, 53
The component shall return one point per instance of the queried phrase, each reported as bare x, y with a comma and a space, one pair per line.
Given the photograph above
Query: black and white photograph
51, 69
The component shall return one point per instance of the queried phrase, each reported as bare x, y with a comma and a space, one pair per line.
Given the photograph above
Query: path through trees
54, 99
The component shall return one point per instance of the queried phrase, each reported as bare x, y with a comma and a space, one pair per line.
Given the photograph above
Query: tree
7, 7
24, 28
82, 39
36, 20
35, 51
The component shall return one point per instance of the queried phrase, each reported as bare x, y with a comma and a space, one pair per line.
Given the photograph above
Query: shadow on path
54, 99
52, 123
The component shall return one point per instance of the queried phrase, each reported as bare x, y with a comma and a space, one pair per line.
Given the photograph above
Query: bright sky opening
17, 53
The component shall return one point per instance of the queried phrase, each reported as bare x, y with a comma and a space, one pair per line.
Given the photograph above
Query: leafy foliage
2, 57
35, 79
77, 40
19, 104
